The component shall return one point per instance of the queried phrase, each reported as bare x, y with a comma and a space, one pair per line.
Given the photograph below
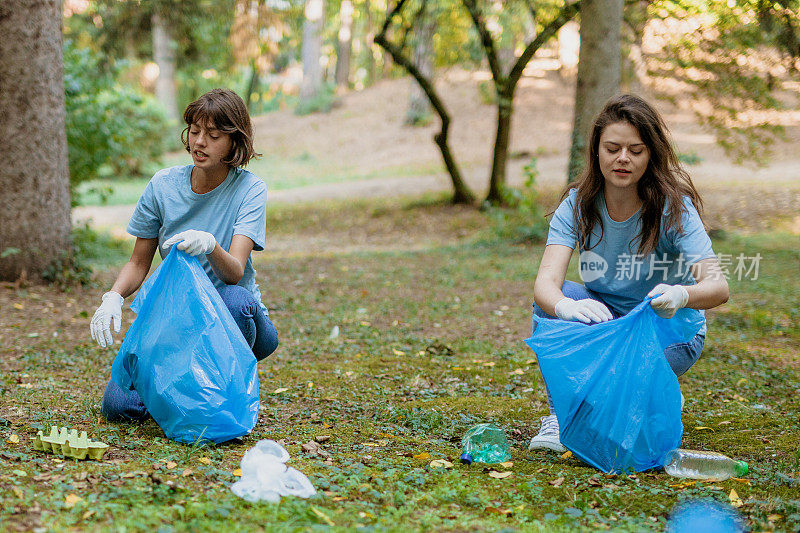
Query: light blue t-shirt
612, 267
237, 206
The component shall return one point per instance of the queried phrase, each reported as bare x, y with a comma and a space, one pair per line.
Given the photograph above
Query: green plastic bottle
484, 443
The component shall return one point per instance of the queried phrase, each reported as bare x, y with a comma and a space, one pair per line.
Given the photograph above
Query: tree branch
462, 192
486, 41
566, 14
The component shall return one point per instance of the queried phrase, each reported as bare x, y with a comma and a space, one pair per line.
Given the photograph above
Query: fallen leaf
503, 512
741, 382
237, 472
736, 501
171, 465
566, 455
499, 475
20, 473
507, 464
441, 463
322, 438
774, 517
741, 480
322, 516
12, 439
278, 391
364, 514
398, 352
18, 492
424, 456
339, 498
701, 428
19, 306
557, 482
71, 500
187, 472
723, 423
517, 372
489, 363
88, 513
205, 460
594, 482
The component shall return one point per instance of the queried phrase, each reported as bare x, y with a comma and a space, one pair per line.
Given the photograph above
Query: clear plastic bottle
711, 466
484, 443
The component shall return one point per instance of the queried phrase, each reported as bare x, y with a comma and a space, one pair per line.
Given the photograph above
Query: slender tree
599, 65
505, 85
461, 191
344, 47
312, 45
418, 105
164, 47
34, 204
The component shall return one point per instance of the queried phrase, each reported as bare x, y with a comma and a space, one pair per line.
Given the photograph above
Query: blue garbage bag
616, 398
186, 357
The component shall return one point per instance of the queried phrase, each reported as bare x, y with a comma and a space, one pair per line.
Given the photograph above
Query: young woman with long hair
633, 216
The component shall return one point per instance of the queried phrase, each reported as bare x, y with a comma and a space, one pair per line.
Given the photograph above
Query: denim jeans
255, 325
680, 356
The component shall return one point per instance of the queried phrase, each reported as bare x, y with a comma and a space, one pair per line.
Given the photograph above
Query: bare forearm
130, 278
708, 293
228, 268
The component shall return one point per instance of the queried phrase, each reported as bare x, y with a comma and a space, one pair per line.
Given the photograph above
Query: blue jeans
680, 356
255, 325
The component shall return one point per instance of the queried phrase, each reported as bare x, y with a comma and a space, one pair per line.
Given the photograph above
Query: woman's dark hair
664, 181
226, 111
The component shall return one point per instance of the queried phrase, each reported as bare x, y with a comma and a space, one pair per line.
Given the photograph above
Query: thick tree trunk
312, 45
598, 72
497, 180
345, 46
34, 177
419, 106
164, 56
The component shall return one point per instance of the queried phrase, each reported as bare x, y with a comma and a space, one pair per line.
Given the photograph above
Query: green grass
430, 341
278, 173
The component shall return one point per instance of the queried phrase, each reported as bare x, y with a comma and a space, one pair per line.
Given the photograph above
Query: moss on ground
430, 343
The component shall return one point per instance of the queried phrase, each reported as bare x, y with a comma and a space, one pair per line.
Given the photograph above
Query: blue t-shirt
612, 267
237, 206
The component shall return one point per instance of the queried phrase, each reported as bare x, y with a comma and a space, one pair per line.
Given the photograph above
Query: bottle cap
741, 468
466, 458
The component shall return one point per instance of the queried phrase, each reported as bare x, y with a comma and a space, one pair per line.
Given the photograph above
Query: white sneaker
548, 436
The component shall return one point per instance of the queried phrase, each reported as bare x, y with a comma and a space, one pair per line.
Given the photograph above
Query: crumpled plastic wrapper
265, 476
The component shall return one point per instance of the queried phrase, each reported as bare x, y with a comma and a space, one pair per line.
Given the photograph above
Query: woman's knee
240, 302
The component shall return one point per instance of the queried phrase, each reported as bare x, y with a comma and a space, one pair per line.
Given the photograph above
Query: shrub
112, 130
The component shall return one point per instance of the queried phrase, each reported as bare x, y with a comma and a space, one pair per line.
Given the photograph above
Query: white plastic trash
265, 476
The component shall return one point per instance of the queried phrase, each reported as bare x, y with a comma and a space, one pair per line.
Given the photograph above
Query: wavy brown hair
227, 112
664, 182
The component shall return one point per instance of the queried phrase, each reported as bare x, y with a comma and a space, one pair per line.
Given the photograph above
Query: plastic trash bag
186, 357
265, 476
616, 398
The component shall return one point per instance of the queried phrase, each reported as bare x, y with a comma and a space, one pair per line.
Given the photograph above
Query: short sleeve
146, 219
562, 225
251, 220
693, 243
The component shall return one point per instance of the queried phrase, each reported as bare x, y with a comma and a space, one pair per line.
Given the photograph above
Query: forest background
411, 151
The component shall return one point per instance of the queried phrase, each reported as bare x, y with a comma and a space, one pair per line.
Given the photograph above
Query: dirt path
365, 132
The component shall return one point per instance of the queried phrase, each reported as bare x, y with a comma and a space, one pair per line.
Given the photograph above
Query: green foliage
112, 130
692, 158
731, 63
321, 103
487, 92
89, 249
522, 220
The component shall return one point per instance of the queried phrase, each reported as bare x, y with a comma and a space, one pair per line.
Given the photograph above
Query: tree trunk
369, 44
164, 56
598, 72
34, 177
251, 86
419, 106
345, 47
497, 181
312, 44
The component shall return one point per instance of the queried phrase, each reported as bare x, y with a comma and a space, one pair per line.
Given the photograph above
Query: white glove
193, 242
673, 297
111, 308
586, 310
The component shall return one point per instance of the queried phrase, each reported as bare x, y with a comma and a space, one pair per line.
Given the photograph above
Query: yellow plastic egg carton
63, 441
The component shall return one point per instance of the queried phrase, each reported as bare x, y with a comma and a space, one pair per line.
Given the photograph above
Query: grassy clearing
279, 174
430, 343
